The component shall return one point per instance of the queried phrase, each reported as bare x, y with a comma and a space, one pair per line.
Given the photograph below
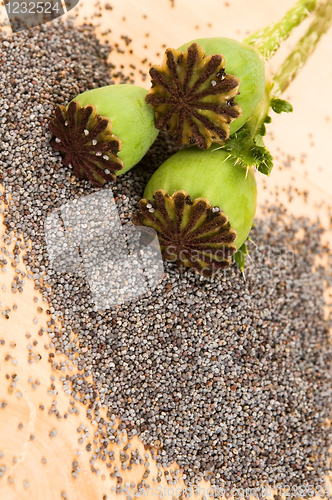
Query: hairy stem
305, 47
268, 40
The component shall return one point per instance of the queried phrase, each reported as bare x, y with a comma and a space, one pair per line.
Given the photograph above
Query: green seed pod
104, 131
206, 90
202, 205
242, 61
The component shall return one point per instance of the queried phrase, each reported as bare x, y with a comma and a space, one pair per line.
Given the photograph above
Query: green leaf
240, 256
262, 130
264, 159
281, 106
249, 151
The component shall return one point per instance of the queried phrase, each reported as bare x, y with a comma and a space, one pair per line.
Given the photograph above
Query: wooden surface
38, 444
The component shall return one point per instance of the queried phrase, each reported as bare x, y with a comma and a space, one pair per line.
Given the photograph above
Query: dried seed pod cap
193, 97
213, 176
104, 131
191, 233
243, 62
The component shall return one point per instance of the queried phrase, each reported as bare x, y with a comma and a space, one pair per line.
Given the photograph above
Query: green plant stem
305, 47
268, 40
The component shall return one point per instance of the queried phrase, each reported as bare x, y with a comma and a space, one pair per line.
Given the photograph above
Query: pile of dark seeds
231, 379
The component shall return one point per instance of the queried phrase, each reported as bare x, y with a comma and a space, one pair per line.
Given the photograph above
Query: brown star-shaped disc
191, 233
86, 142
193, 97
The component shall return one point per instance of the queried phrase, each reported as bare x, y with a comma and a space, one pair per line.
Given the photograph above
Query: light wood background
37, 449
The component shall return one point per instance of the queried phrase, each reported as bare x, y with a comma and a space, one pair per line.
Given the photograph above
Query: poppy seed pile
231, 379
